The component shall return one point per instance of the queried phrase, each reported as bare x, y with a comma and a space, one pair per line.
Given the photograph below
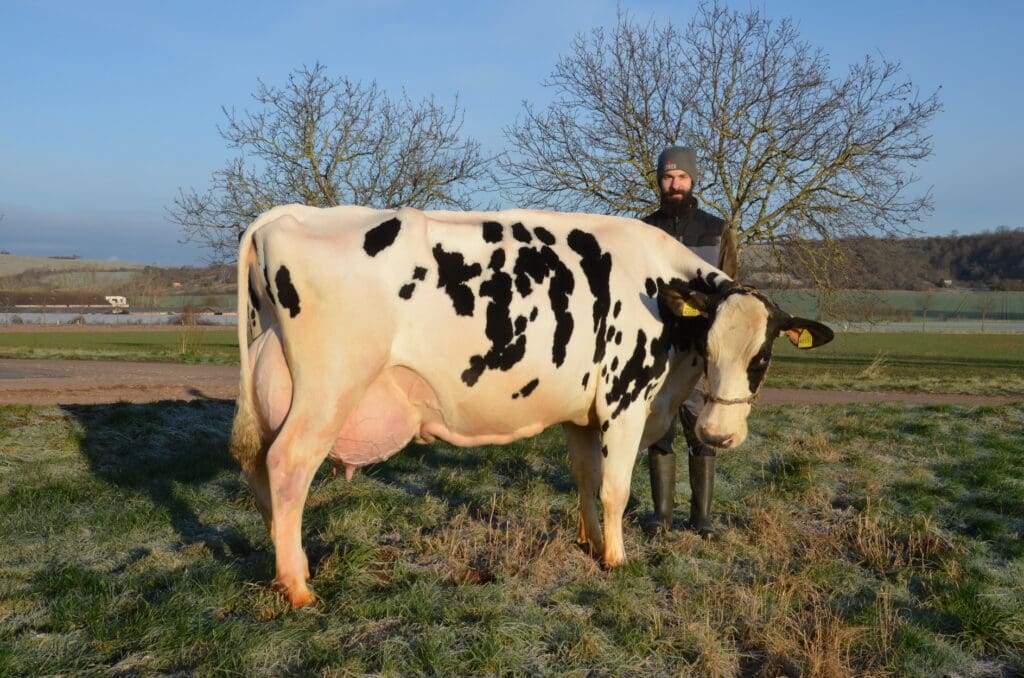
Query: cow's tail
247, 445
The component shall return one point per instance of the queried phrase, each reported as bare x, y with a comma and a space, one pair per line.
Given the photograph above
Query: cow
376, 327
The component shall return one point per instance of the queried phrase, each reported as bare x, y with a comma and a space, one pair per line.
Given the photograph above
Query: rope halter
749, 400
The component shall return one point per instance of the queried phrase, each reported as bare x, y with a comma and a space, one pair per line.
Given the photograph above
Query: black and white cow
373, 328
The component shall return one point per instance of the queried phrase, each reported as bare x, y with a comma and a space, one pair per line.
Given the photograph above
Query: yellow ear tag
805, 340
689, 310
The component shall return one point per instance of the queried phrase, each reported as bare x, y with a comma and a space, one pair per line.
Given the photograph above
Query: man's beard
677, 206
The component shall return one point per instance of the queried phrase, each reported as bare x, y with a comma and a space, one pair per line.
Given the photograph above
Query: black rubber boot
663, 489
702, 487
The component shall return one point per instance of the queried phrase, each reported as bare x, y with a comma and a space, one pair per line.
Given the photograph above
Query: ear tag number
805, 340
689, 310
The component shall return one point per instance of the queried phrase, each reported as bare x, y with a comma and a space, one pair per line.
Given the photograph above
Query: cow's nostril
715, 440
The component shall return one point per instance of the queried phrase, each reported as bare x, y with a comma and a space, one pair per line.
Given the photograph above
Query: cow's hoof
302, 599
298, 595
612, 560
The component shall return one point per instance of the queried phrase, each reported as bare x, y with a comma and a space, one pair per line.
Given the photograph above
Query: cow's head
743, 325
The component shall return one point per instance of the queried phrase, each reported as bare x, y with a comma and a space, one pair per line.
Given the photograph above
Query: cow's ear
806, 333
684, 301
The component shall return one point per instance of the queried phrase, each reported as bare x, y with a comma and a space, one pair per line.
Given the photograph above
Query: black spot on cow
586, 379
634, 377
615, 363
493, 231
617, 309
533, 266
419, 273
604, 451
544, 235
286, 292
597, 267
604, 426
651, 288
521, 324
533, 314
618, 338
610, 333
266, 280
504, 352
525, 391
757, 368
452, 275
476, 367
254, 300
521, 233
381, 237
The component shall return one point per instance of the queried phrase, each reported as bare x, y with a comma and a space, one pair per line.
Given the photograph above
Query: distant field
186, 344
937, 305
13, 264
986, 364
991, 364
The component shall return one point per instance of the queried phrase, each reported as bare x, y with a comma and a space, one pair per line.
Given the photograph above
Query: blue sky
109, 107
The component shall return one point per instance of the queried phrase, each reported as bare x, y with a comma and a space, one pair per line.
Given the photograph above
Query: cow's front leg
585, 454
619, 447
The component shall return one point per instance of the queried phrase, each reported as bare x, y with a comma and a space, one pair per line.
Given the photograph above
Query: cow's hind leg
585, 455
292, 461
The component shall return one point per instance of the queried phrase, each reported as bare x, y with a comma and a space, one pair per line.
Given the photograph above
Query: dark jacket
695, 228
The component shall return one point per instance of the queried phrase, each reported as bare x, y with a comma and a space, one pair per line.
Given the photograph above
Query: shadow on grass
175, 453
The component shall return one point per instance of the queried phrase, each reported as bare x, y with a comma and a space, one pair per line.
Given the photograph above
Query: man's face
676, 186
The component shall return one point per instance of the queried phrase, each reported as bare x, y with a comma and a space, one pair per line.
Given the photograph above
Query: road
85, 382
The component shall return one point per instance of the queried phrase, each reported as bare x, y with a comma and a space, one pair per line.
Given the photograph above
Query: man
680, 217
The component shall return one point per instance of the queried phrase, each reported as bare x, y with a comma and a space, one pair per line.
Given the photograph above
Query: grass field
185, 344
856, 540
933, 306
990, 364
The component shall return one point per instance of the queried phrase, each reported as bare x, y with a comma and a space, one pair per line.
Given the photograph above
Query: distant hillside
13, 264
67, 281
991, 260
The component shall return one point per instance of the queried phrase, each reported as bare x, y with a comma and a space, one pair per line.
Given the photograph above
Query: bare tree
323, 141
790, 154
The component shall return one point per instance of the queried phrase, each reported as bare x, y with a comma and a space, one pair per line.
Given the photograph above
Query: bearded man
680, 217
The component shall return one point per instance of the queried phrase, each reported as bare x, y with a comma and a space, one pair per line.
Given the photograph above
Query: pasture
875, 540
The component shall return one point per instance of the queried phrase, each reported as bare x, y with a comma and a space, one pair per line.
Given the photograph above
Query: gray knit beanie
678, 158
